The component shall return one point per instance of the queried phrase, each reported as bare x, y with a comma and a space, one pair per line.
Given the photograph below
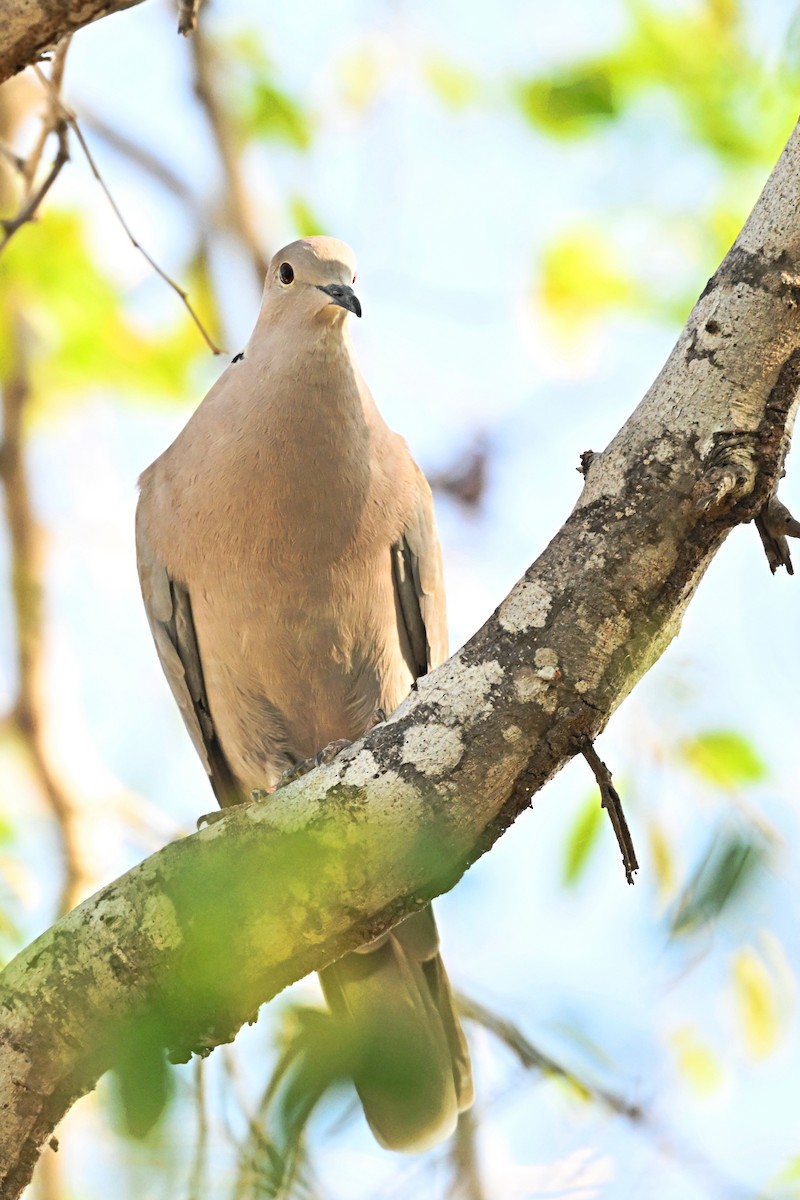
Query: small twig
466, 479
30, 208
609, 798
236, 206
187, 16
587, 458
71, 120
28, 715
196, 1177
50, 118
532, 1058
775, 524
142, 156
10, 155
467, 1184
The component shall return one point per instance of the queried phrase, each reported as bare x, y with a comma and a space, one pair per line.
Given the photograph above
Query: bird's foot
325, 756
211, 818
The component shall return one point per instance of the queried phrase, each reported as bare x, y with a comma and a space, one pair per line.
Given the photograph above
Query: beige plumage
292, 578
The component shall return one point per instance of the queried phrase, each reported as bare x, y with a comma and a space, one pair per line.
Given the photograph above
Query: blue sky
449, 213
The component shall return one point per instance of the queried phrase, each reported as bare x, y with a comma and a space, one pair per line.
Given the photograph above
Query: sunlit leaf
786, 1184
570, 103
723, 874
756, 1002
363, 73
661, 858
79, 332
696, 1061
723, 757
581, 277
271, 114
582, 838
456, 86
304, 219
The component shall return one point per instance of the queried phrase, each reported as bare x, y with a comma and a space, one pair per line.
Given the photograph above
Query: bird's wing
419, 585
169, 611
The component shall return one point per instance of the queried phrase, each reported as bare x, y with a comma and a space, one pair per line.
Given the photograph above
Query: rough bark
200, 934
28, 28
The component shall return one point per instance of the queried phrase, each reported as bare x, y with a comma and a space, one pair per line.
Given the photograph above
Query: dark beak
343, 296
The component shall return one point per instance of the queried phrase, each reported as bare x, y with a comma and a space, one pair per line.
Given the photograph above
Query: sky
450, 213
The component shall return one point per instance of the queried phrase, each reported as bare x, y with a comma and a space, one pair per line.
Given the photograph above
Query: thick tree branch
197, 936
27, 30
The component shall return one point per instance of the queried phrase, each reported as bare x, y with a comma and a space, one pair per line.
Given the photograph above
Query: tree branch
26, 34
195, 938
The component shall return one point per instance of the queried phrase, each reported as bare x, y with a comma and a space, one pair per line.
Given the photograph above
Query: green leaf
722, 757
81, 336
756, 1002
454, 85
271, 114
696, 1061
571, 103
582, 838
726, 869
304, 219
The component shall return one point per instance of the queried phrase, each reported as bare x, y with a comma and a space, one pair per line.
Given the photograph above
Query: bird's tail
411, 1069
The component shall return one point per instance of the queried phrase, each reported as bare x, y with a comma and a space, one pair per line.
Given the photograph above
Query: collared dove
292, 578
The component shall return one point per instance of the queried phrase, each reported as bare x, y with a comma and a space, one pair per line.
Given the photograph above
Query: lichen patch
527, 607
433, 749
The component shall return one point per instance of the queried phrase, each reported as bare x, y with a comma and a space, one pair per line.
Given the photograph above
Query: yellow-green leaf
756, 1002
722, 757
582, 837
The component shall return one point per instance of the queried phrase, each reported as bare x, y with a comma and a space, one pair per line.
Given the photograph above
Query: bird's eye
286, 273
354, 279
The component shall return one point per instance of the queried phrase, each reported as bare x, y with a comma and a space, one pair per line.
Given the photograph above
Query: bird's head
312, 280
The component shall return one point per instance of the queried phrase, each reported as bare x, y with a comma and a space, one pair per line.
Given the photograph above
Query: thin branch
141, 156
28, 715
187, 16
197, 1187
31, 207
71, 120
467, 1182
236, 205
534, 1059
775, 524
50, 116
611, 802
11, 156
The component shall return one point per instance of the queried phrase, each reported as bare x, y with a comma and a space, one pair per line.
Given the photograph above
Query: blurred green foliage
257, 106
694, 67
85, 339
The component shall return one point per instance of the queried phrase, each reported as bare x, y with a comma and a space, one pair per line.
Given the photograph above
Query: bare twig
534, 1059
196, 1178
237, 207
27, 715
610, 800
465, 479
775, 524
50, 116
10, 155
187, 16
142, 156
467, 1183
71, 120
30, 208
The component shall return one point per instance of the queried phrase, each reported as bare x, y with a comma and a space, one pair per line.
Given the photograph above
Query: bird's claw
326, 755
210, 818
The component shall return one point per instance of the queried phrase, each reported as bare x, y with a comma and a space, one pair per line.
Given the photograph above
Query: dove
292, 577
